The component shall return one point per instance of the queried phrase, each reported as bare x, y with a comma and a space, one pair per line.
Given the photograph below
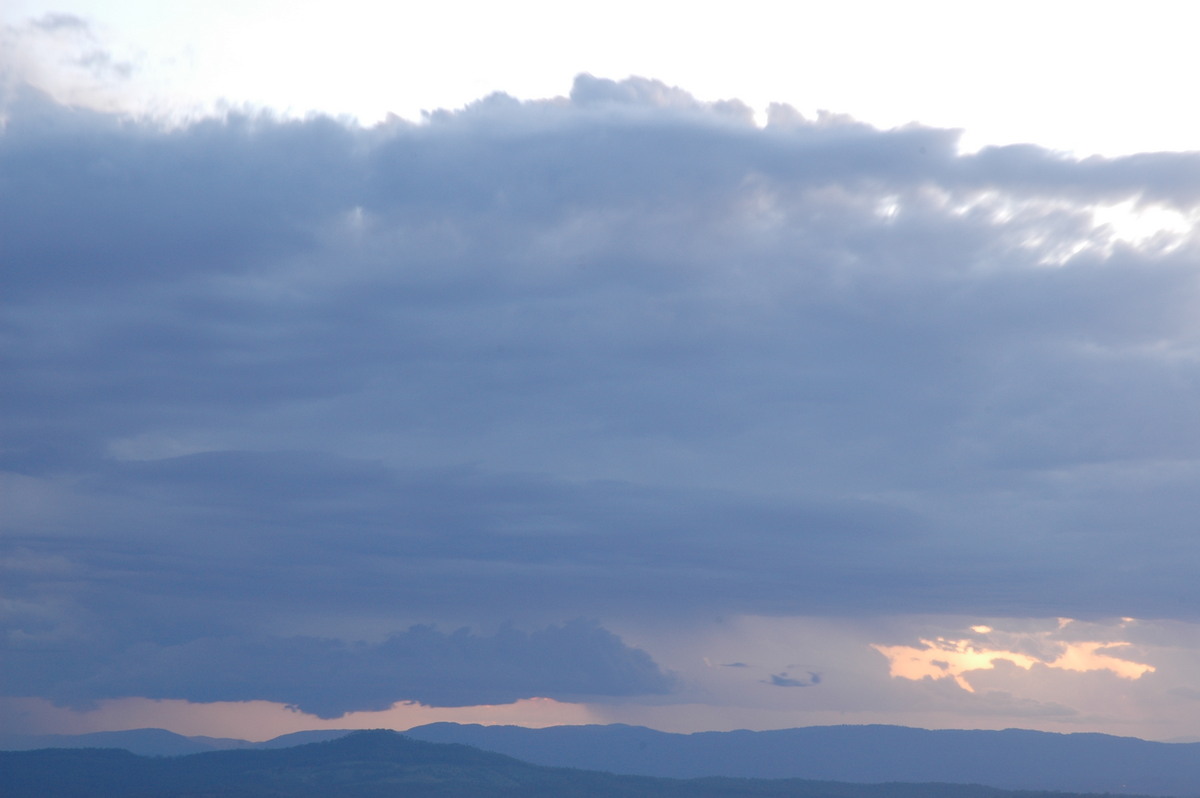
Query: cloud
60, 54
604, 355
329, 678
784, 680
53, 23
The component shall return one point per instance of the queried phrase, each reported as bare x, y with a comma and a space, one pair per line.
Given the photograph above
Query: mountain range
374, 764
1012, 759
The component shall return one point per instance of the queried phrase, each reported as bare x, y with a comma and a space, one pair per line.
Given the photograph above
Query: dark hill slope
379, 764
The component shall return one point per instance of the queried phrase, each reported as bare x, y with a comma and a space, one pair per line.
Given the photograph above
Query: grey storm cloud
618, 353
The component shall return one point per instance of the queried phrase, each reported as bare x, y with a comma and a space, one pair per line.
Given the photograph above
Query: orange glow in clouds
943, 658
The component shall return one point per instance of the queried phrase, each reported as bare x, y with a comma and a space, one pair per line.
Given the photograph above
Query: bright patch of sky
1070, 76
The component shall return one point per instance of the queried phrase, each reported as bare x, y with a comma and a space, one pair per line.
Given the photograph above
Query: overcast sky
617, 399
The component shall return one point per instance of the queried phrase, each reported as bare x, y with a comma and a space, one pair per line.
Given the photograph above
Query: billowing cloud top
271, 384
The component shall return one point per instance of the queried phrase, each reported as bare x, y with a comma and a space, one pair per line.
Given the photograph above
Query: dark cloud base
328, 678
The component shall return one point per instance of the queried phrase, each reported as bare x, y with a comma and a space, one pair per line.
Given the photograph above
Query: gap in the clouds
1140, 224
1129, 224
1055, 647
1068, 229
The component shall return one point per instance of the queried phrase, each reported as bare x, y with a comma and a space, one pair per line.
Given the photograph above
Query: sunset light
941, 658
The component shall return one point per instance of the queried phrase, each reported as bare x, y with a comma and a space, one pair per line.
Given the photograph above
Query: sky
698, 370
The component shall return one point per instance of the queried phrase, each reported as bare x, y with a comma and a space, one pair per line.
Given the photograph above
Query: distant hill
375, 764
1012, 759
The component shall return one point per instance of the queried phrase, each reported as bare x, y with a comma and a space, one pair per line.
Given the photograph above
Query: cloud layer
274, 387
